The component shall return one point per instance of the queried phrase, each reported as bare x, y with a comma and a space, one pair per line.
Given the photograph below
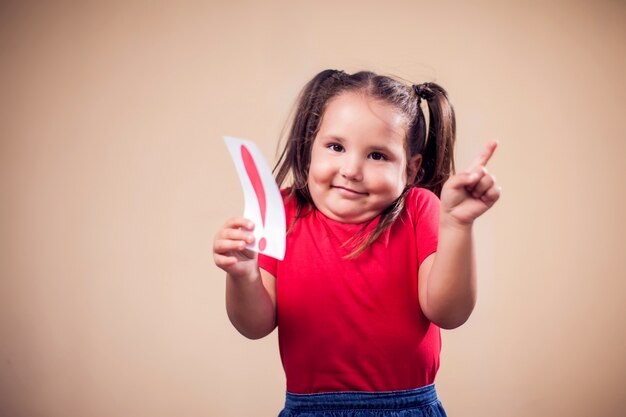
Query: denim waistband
357, 400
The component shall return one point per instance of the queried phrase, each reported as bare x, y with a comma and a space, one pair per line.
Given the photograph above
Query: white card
263, 203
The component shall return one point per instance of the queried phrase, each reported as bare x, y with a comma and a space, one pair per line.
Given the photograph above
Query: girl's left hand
467, 195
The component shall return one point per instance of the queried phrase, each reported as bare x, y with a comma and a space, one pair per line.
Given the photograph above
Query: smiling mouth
349, 190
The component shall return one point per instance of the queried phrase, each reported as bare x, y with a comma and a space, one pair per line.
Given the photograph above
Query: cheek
320, 169
391, 180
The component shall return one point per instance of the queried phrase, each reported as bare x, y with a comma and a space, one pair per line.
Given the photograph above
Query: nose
352, 169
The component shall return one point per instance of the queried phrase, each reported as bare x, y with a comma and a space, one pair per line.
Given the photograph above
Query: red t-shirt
356, 324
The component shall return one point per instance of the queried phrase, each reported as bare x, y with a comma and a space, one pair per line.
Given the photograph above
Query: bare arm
447, 278
447, 285
251, 304
250, 291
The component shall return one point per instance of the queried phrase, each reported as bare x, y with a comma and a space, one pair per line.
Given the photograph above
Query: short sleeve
268, 263
424, 207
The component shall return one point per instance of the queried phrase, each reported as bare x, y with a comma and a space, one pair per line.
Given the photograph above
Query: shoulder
422, 206
285, 192
419, 199
295, 206
289, 199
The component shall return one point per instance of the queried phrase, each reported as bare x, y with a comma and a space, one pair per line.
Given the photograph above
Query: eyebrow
380, 148
333, 137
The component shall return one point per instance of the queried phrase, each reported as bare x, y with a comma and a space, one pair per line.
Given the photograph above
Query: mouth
349, 190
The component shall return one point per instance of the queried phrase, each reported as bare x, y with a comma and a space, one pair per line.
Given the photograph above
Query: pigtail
438, 150
296, 155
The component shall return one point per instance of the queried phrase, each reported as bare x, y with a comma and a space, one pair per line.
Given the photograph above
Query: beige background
113, 180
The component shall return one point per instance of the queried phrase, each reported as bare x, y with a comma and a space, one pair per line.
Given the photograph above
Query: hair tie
423, 91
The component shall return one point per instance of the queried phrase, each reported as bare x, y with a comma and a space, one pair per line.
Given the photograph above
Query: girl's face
358, 159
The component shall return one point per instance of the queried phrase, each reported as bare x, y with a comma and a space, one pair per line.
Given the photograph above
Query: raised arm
250, 291
447, 286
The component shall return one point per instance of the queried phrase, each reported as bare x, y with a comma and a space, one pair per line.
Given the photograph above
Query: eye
377, 156
335, 147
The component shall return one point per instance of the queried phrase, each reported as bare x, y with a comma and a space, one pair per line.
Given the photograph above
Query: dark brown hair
435, 146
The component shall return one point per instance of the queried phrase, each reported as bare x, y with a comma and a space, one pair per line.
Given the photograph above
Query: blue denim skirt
420, 402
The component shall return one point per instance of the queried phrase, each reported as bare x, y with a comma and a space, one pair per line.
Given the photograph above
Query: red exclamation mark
257, 184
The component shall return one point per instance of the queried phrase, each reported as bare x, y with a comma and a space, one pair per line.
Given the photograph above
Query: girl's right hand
229, 248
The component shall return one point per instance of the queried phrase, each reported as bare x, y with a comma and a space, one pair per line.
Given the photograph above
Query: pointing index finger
484, 157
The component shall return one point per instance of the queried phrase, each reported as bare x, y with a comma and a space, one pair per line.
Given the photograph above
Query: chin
353, 218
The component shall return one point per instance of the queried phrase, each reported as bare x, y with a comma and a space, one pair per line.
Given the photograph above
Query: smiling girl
379, 252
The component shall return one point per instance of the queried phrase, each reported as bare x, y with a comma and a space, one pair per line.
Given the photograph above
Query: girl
379, 251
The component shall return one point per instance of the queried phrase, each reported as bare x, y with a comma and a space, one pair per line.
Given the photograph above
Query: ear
413, 167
